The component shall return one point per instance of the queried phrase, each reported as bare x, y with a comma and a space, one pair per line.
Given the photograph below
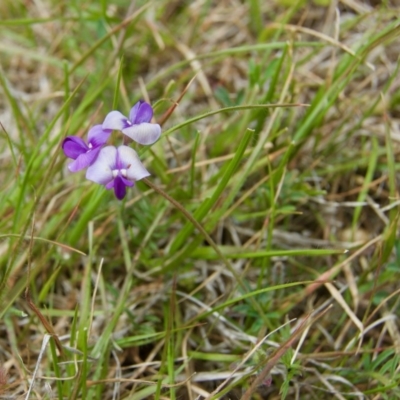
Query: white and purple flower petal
97, 136
85, 154
101, 171
84, 160
138, 127
143, 133
129, 161
116, 121
116, 169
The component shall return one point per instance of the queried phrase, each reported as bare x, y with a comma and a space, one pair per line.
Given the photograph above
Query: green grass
260, 259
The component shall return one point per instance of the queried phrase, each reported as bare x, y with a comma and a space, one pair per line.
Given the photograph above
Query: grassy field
261, 257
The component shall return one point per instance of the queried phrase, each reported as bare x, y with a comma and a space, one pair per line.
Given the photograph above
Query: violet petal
134, 111
141, 112
127, 182
74, 146
144, 133
97, 136
119, 188
135, 170
101, 170
84, 160
110, 185
115, 121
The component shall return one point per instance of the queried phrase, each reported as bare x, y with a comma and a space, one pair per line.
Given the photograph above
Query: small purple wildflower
138, 126
117, 168
85, 154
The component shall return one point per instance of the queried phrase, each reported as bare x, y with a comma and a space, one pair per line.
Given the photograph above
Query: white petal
101, 170
135, 170
144, 133
115, 120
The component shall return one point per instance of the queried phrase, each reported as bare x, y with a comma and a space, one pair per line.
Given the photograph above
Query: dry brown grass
326, 183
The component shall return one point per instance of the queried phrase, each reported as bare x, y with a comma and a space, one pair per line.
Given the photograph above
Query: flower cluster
115, 168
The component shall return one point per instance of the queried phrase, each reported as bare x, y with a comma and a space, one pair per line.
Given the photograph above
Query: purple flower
85, 154
117, 168
137, 126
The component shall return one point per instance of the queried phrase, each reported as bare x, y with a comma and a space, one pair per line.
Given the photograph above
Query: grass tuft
260, 259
